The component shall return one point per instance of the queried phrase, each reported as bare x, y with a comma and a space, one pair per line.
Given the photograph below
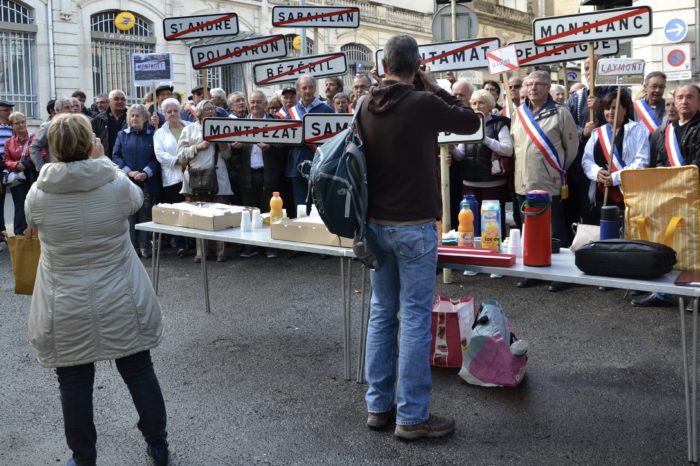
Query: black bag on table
625, 258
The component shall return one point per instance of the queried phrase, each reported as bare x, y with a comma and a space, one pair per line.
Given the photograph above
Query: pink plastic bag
494, 356
452, 321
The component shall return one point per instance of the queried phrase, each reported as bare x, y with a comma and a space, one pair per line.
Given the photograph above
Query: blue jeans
300, 190
140, 238
398, 371
75, 384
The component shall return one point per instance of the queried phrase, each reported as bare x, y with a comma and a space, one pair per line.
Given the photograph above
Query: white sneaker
496, 275
469, 273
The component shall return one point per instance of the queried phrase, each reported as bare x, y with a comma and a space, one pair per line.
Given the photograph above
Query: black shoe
555, 287
651, 300
145, 253
604, 288
380, 421
636, 292
159, 453
527, 283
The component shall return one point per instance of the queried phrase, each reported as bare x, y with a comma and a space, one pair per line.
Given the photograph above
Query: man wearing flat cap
5, 134
288, 97
163, 91
197, 96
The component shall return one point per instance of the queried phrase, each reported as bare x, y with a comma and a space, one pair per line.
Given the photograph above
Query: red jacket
14, 149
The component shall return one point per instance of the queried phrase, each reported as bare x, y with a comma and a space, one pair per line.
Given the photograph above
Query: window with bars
291, 51
111, 54
359, 60
17, 57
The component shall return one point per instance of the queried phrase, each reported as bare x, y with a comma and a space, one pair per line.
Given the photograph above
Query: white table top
257, 237
564, 270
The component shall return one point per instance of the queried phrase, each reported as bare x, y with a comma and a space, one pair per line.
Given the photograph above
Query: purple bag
494, 356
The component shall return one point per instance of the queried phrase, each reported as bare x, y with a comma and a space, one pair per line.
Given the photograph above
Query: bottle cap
610, 212
275, 193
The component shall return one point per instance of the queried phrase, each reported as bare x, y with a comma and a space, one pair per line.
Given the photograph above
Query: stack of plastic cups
257, 219
515, 246
246, 224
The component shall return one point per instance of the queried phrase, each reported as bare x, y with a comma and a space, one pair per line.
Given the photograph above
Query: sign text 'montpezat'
320, 126
530, 54
316, 16
200, 26
452, 56
268, 131
318, 66
238, 51
613, 24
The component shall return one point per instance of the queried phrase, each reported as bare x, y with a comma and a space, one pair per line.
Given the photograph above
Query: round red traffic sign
676, 57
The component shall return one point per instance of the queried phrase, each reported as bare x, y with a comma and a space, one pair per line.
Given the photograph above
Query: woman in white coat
631, 149
92, 298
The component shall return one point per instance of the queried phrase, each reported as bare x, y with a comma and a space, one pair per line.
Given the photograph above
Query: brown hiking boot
435, 426
380, 421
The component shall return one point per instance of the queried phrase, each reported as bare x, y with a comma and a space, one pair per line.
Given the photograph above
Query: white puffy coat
92, 297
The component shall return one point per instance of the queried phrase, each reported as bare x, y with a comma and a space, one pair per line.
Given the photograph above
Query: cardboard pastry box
307, 230
198, 215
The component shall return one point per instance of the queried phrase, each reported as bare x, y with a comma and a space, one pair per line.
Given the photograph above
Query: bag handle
671, 230
642, 224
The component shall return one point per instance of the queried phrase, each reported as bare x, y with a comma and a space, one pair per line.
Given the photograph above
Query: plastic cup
515, 245
301, 211
257, 219
314, 211
246, 224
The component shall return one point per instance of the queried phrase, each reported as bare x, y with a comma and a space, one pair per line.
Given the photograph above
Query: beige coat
531, 169
92, 297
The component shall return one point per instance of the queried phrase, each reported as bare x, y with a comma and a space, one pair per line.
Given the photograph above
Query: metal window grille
359, 59
291, 52
111, 54
17, 56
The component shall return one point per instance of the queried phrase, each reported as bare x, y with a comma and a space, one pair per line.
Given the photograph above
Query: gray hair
305, 76
62, 103
364, 76
341, 95
169, 102
486, 95
464, 82
112, 93
199, 109
217, 93
140, 109
258, 92
539, 74
654, 74
401, 55
229, 101
557, 87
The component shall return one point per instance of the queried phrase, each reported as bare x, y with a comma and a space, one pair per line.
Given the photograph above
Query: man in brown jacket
399, 125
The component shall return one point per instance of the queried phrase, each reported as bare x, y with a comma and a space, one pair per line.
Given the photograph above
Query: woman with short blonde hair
19, 167
92, 297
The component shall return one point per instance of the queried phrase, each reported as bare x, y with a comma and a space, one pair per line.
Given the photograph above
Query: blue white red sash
605, 138
282, 114
295, 113
646, 114
540, 139
673, 150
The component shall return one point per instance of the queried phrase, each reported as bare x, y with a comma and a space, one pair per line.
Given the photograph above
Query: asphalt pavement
259, 380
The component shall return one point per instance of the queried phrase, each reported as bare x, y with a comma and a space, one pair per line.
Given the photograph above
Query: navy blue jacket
298, 154
133, 150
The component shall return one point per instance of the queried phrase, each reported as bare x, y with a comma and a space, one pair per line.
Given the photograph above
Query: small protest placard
320, 126
200, 26
454, 138
252, 130
238, 51
316, 16
148, 68
619, 72
502, 60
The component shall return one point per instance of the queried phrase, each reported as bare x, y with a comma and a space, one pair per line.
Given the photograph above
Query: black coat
689, 144
476, 164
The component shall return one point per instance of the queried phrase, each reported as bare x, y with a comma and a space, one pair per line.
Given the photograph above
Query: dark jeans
19, 194
254, 195
75, 384
2, 210
300, 188
140, 238
558, 220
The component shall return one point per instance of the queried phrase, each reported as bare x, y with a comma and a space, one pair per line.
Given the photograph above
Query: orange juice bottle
465, 229
275, 207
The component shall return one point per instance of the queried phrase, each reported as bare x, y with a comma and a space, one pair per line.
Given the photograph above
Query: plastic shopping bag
452, 321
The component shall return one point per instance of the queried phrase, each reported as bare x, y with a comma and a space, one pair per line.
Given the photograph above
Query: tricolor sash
543, 144
612, 155
282, 114
673, 150
646, 114
296, 112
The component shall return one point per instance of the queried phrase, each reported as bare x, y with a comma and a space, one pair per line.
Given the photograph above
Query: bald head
463, 90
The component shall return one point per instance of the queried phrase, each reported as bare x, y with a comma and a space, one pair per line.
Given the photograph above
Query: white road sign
319, 66
619, 72
320, 126
454, 138
192, 27
676, 61
238, 51
502, 60
530, 54
613, 24
252, 131
316, 16
452, 56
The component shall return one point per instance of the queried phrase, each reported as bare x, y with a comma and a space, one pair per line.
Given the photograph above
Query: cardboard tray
307, 230
473, 256
198, 215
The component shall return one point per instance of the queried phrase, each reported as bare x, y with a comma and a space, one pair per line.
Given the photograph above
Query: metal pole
303, 35
566, 80
612, 149
591, 83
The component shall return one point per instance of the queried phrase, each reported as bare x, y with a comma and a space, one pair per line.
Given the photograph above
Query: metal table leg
156, 257
347, 322
202, 246
690, 380
364, 321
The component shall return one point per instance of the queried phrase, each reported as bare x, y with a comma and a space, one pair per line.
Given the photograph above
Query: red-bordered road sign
252, 130
318, 66
316, 17
238, 51
200, 26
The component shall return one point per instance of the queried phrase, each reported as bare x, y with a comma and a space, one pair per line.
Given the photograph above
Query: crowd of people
571, 143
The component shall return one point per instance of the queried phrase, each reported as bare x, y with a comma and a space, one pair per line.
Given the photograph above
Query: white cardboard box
307, 230
198, 215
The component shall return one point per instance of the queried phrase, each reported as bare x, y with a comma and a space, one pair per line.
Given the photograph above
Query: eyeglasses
535, 84
516, 86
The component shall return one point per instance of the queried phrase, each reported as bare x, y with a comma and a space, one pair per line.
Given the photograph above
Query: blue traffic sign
676, 30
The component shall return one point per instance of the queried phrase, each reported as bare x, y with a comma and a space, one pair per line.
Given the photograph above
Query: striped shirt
5, 134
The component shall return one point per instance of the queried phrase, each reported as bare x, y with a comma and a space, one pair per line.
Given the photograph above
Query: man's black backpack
338, 186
